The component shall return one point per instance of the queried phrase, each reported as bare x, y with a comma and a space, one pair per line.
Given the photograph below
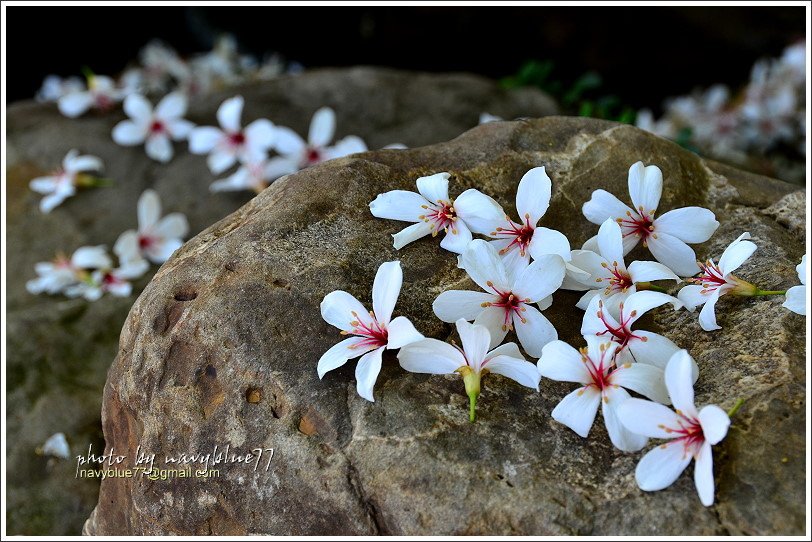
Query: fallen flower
55, 446
796, 296
506, 302
472, 361
53, 277
254, 176
715, 281
371, 332
63, 182
232, 143
691, 432
433, 211
54, 87
113, 281
101, 94
156, 238
667, 236
158, 128
603, 383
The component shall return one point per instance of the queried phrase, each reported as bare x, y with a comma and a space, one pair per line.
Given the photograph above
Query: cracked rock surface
221, 349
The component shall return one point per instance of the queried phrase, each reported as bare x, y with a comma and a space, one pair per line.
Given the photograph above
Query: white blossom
102, 94
54, 276
797, 295
156, 238
155, 127
54, 87
63, 182
56, 446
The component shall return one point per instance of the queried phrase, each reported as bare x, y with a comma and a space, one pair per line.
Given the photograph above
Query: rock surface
59, 350
221, 349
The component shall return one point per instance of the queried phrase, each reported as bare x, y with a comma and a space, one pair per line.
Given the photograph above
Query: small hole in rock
253, 395
185, 296
211, 371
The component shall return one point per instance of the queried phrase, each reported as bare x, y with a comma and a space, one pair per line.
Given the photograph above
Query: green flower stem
649, 286
472, 408
769, 292
471, 380
735, 408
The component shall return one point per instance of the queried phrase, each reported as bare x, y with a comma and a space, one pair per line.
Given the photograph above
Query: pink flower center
689, 431
109, 279
145, 241
157, 127
510, 303
312, 156
601, 379
441, 216
519, 235
103, 101
640, 224
374, 334
619, 279
711, 277
622, 333
236, 139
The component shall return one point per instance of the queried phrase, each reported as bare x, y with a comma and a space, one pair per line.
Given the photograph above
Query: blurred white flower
155, 127
797, 295
56, 446
54, 87
156, 238
63, 182
54, 276
102, 94
112, 281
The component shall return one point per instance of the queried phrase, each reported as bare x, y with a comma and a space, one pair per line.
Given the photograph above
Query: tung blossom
155, 127
602, 383
54, 276
254, 176
667, 236
634, 345
691, 432
506, 303
609, 278
156, 238
113, 281
63, 182
231, 143
796, 296
433, 211
472, 361
370, 332
296, 153
102, 94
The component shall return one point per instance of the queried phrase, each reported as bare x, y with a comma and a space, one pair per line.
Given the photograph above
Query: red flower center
145, 241
441, 216
710, 277
519, 235
236, 139
510, 303
375, 335
640, 224
157, 127
619, 280
621, 333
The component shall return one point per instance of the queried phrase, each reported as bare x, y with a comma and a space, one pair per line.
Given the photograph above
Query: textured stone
59, 350
411, 463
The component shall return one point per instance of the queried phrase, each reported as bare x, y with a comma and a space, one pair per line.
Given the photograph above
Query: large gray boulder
221, 349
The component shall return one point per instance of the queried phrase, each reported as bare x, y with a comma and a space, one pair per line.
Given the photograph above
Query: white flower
517, 242
113, 281
433, 211
634, 345
254, 176
157, 238
691, 432
718, 280
485, 118
158, 128
53, 277
101, 94
505, 304
796, 296
371, 332
296, 153
56, 446
603, 383
54, 87
472, 361
232, 143
666, 236
62, 183
162, 66
608, 275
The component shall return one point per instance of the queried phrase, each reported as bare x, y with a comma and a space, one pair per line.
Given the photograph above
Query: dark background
643, 54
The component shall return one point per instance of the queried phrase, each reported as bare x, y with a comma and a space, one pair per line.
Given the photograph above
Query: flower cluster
766, 120
62, 183
518, 266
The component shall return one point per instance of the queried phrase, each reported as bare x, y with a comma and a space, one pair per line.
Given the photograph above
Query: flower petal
149, 210
220, 160
322, 127
540, 279
398, 205
560, 361
159, 147
84, 162
161, 251
434, 187
523, 372
534, 331
74, 104
621, 437
172, 106
126, 247
578, 410
289, 142
661, 466
338, 308
640, 303
493, 318
680, 383
648, 418
452, 305
430, 356
203, 139
801, 270
401, 333
344, 147
457, 238
692, 296
688, 224
715, 423
260, 135
476, 342
645, 187
643, 271
707, 316
547, 241
673, 253
610, 243
366, 372
173, 225
645, 379
385, 290
508, 349
339, 353
533, 195
736, 254
482, 263
592, 323
703, 474
91, 258
796, 300
279, 166
586, 299
603, 205
43, 185
138, 108
229, 113
128, 133
411, 233
654, 350
179, 129
480, 212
